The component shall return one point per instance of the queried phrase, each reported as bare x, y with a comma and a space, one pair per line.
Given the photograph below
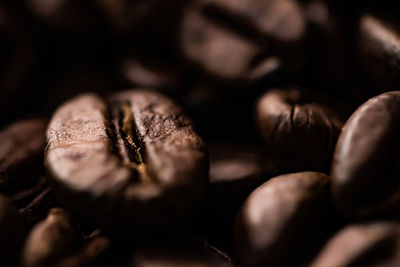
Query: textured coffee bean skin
299, 132
365, 167
138, 165
368, 244
284, 220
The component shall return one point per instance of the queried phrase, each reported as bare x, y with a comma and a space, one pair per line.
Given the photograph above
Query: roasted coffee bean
365, 167
284, 220
179, 249
379, 46
280, 21
50, 240
242, 41
236, 169
299, 131
137, 165
364, 244
120, 177
12, 232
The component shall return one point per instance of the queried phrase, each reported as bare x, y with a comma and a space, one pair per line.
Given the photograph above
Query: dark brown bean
284, 220
280, 20
299, 131
138, 165
365, 167
239, 40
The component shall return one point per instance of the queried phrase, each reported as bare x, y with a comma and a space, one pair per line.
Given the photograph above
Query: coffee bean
242, 41
131, 170
365, 166
278, 20
12, 232
284, 220
299, 131
379, 49
363, 244
51, 240
231, 56
138, 165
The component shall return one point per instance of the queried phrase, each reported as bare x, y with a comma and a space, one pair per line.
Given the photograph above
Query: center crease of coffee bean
129, 146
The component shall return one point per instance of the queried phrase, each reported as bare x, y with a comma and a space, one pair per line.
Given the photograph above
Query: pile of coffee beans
254, 133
